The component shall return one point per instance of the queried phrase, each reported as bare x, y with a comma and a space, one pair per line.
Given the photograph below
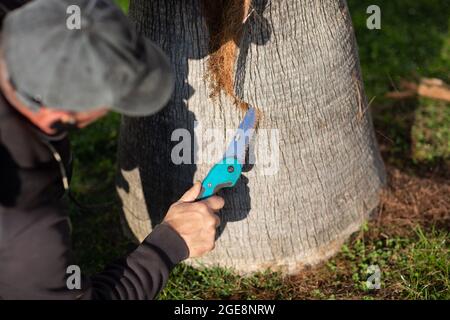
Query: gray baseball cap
100, 62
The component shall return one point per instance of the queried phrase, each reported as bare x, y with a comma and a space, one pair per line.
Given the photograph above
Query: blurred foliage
123, 4
413, 42
431, 131
97, 232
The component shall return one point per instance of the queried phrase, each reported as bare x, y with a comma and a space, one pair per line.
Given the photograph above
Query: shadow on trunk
159, 191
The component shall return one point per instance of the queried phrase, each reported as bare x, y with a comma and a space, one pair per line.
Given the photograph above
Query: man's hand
196, 222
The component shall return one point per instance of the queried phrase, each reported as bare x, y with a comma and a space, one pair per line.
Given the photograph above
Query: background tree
297, 62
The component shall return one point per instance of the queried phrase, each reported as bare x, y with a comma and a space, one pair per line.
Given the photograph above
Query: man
53, 77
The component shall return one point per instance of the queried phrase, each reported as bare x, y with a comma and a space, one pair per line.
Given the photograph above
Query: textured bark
298, 63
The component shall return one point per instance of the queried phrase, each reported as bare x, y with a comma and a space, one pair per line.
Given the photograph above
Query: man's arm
35, 253
188, 230
143, 273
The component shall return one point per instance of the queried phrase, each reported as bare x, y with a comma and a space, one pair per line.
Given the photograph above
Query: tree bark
297, 62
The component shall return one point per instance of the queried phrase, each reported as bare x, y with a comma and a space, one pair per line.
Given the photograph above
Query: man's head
49, 120
61, 75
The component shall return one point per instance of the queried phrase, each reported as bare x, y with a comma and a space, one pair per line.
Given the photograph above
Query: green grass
415, 267
425, 269
414, 42
431, 131
219, 283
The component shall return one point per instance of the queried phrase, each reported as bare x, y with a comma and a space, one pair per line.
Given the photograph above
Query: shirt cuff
169, 243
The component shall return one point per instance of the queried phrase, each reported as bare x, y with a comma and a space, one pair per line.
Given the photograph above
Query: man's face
49, 120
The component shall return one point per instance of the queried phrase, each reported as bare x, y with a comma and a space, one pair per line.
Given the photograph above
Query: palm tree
297, 62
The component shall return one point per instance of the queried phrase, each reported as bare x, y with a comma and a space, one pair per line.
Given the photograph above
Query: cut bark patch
225, 21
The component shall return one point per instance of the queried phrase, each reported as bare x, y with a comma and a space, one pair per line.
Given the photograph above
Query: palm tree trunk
297, 62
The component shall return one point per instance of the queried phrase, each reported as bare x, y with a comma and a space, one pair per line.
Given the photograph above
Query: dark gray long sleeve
146, 269
35, 253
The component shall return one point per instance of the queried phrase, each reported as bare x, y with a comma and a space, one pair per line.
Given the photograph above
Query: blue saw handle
224, 174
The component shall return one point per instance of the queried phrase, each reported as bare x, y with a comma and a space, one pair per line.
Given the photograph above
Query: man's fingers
192, 193
215, 202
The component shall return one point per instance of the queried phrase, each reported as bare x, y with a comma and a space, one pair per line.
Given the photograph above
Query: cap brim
154, 90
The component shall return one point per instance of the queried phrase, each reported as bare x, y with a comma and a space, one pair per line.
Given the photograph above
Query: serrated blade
241, 139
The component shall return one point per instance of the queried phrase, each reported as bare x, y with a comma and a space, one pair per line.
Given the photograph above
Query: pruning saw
226, 172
